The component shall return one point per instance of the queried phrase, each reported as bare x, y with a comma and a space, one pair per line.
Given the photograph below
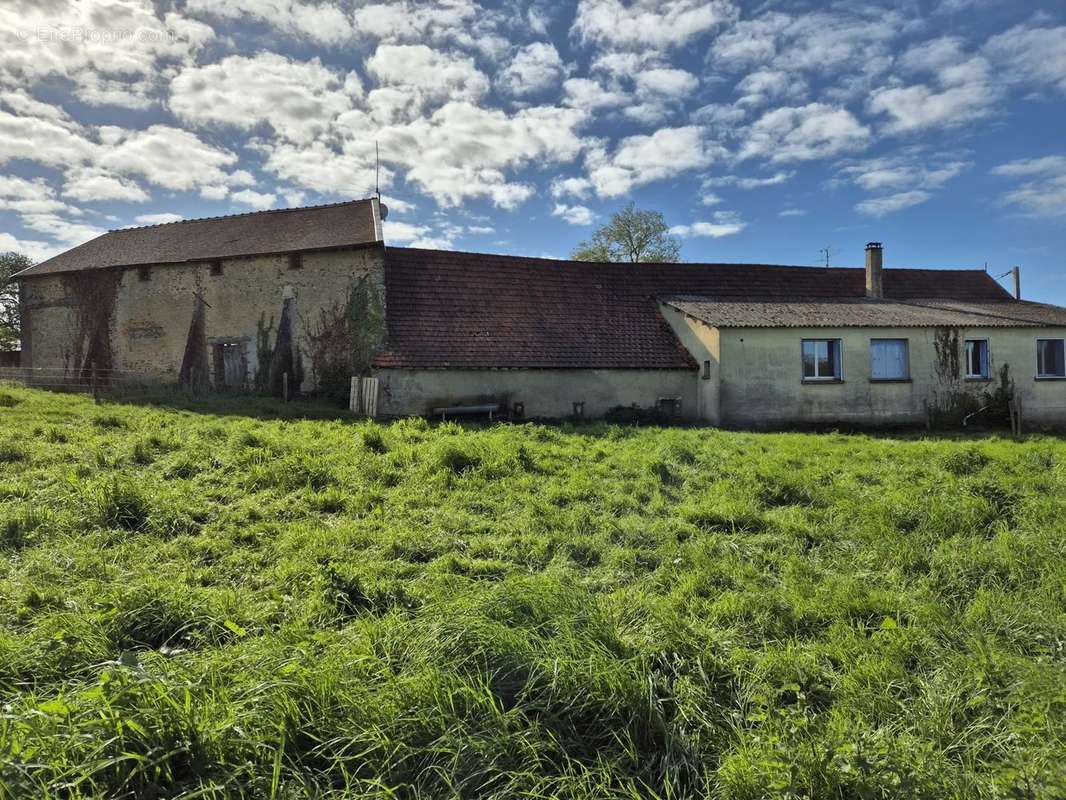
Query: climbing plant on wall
948, 403
344, 338
366, 320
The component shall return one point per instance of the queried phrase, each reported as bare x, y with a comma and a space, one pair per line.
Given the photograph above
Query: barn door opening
231, 368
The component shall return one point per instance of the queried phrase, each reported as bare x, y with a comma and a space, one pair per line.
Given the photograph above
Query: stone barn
230, 302
237, 302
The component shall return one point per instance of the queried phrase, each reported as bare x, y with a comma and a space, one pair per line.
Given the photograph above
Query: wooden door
231, 369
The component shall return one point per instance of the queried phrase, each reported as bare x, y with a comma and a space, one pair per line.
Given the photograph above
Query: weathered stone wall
49, 323
151, 321
545, 393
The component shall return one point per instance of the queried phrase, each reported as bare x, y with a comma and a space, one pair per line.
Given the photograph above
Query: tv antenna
826, 252
383, 209
377, 170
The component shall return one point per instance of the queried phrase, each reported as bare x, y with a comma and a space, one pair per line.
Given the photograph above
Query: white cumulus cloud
880, 206
535, 68
575, 215
801, 133
725, 223
298, 99
649, 23
643, 159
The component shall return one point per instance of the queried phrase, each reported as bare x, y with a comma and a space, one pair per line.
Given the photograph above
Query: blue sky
764, 131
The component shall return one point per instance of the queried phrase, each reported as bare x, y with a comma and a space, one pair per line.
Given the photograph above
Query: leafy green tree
10, 324
633, 236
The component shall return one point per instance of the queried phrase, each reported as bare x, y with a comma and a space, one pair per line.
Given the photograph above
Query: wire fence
96, 381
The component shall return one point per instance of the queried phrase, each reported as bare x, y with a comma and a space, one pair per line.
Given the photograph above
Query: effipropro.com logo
76, 34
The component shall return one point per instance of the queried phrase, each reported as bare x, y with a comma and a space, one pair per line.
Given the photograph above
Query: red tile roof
256, 233
478, 311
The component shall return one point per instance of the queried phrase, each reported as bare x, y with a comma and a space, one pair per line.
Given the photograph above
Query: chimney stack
874, 262
1017, 272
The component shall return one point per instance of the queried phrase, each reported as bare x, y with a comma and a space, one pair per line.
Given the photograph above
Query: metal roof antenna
383, 209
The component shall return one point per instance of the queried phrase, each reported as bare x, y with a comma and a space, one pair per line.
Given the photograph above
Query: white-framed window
1051, 358
977, 358
821, 360
889, 360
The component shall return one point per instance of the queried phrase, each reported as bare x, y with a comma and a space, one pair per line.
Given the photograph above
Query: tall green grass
223, 600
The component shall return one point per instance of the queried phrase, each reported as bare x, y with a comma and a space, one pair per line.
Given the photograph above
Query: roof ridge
242, 214
553, 260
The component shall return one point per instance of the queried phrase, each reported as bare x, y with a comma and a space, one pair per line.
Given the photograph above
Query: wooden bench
456, 411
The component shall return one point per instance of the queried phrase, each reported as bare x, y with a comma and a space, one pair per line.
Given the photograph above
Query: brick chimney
874, 261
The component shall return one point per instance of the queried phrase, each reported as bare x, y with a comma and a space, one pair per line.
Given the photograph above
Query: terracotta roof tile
477, 311
255, 233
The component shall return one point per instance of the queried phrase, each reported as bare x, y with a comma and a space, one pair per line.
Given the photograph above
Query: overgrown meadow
229, 601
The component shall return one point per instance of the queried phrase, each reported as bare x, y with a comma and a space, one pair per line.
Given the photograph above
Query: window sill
891, 380
1050, 378
821, 381
976, 379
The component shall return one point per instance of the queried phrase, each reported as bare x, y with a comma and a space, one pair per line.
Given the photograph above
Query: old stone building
315, 294
233, 302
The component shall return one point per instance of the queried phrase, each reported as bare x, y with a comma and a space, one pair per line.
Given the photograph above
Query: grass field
231, 601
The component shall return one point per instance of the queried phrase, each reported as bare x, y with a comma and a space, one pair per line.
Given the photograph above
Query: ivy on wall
954, 401
344, 338
366, 324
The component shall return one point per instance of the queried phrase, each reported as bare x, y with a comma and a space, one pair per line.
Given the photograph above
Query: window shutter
888, 359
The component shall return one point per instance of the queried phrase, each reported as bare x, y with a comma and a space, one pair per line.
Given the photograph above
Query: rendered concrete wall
544, 393
151, 319
704, 343
761, 376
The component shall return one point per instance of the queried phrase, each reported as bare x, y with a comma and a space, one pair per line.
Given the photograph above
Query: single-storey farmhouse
315, 295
